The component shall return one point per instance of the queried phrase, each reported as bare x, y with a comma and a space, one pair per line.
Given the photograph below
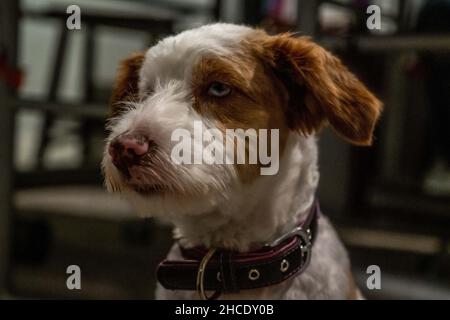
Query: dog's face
226, 77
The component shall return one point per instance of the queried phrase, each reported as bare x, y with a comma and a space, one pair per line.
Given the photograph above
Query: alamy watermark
234, 146
373, 281
73, 22
374, 20
74, 279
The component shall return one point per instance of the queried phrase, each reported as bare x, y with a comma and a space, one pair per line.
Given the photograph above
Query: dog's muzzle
225, 271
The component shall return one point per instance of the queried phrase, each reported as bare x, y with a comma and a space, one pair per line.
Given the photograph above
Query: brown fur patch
320, 88
285, 83
254, 102
126, 84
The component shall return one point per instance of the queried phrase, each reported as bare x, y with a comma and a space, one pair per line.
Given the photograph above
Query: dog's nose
127, 150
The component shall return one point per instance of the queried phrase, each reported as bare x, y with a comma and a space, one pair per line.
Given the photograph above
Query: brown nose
127, 150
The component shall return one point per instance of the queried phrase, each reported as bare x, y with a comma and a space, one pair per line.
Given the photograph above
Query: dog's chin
171, 193
150, 190
168, 205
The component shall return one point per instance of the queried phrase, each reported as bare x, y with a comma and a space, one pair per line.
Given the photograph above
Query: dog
228, 77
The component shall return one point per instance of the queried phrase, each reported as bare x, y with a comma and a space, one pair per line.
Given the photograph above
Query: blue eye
218, 89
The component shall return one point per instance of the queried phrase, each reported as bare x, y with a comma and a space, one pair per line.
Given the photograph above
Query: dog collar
225, 271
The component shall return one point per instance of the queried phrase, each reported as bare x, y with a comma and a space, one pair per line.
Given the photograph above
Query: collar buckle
304, 235
200, 282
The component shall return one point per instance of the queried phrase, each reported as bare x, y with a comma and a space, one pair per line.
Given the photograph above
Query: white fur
265, 210
173, 57
225, 212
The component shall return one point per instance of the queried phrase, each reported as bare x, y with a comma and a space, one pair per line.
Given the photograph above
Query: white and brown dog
230, 77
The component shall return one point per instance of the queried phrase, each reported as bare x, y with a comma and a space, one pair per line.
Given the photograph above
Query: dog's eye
218, 89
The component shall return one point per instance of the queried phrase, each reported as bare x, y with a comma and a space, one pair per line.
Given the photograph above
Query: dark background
390, 203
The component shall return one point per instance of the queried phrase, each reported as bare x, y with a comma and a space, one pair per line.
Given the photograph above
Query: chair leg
53, 93
89, 63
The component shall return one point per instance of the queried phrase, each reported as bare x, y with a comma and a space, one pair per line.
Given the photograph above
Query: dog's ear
322, 90
126, 83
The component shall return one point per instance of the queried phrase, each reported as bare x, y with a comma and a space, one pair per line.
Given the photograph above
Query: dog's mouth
149, 180
146, 183
147, 175
149, 190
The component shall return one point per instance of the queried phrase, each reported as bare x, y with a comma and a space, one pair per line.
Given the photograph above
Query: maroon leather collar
229, 271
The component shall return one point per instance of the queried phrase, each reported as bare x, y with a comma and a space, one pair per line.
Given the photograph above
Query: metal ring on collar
201, 274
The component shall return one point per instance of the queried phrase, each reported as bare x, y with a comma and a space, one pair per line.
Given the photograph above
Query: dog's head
225, 77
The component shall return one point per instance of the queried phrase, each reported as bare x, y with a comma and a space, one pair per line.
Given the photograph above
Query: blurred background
390, 203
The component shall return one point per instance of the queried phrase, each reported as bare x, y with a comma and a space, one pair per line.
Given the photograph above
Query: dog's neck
262, 211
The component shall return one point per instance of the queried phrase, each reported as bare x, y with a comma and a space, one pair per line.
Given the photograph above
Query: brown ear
126, 83
322, 90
